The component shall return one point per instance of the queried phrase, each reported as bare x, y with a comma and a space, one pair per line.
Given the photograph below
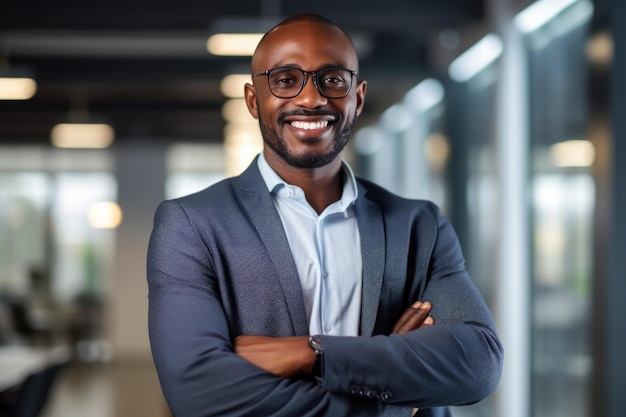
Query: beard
306, 159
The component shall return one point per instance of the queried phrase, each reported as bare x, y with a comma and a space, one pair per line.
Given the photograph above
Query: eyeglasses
288, 82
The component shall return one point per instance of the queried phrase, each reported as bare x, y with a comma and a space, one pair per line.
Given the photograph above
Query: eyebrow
294, 65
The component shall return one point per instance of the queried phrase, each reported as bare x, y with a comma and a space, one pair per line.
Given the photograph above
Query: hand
285, 357
414, 317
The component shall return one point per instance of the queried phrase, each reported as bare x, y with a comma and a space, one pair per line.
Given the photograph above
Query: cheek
349, 111
269, 108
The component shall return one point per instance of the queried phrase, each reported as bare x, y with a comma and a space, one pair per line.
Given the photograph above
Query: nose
309, 95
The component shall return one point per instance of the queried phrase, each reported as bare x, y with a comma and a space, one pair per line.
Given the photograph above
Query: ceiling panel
143, 65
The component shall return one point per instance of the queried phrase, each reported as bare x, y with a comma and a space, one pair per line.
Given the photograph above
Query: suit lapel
260, 208
372, 232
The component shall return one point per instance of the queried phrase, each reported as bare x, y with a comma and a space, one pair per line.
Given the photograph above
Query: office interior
506, 113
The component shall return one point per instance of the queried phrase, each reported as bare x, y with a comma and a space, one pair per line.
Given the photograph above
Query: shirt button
327, 328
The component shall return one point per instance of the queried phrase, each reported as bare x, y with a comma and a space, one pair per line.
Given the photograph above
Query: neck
322, 186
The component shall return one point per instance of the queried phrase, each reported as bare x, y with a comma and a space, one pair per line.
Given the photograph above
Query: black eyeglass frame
304, 80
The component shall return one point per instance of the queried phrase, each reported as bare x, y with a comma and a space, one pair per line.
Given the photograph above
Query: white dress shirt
327, 252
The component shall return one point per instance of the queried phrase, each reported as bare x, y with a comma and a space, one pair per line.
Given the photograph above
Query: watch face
316, 343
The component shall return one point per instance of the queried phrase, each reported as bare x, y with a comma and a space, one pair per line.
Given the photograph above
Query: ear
361, 89
251, 101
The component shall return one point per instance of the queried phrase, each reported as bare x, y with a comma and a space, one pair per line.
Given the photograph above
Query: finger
413, 317
428, 321
414, 322
411, 311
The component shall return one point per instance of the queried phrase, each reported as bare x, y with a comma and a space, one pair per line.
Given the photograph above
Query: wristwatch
316, 344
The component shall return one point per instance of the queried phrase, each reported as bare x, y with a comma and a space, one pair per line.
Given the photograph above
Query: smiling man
297, 289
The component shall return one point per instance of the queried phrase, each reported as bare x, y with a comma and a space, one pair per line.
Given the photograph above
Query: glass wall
57, 235
192, 167
558, 187
562, 202
408, 151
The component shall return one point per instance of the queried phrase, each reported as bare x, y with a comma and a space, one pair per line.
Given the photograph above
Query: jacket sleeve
191, 345
456, 361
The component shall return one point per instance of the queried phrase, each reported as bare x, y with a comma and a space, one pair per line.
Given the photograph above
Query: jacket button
385, 396
372, 394
354, 389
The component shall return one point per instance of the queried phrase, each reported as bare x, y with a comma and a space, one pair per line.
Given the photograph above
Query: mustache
308, 113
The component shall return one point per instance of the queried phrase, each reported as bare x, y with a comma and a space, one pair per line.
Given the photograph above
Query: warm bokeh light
82, 135
573, 153
600, 49
17, 88
242, 142
233, 44
104, 215
232, 85
437, 150
236, 111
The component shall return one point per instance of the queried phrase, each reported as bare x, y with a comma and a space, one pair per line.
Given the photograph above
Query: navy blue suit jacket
219, 265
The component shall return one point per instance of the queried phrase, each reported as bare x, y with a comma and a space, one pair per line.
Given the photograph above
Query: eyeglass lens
330, 82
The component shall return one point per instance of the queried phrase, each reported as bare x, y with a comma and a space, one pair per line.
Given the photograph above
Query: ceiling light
237, 36
232, 86
478, 57
539, 13
82, 135
233, 44
425, 95
14, 88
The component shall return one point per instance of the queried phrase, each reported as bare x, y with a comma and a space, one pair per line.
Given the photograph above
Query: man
295, 289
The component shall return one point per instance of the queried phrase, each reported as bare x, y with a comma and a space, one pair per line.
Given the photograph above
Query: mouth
304, 125
311, 123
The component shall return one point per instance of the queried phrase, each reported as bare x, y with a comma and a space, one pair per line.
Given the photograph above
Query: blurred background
506, 113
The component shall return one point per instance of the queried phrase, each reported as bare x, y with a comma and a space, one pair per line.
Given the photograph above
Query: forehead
309, 45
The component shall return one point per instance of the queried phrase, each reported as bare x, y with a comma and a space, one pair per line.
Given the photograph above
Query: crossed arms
289, 357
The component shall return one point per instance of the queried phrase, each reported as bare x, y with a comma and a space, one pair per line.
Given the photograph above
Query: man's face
309, 130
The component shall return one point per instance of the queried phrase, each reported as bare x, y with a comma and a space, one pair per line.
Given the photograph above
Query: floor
107, 390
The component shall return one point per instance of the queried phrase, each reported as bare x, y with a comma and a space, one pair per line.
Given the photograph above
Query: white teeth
309, 125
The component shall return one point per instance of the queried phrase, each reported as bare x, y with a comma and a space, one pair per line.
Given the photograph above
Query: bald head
292, 31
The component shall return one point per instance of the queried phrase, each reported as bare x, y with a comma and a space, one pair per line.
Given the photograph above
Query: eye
334, 78
285, 78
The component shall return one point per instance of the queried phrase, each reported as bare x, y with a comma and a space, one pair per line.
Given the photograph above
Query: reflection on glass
83, 253
563, 193
563, 212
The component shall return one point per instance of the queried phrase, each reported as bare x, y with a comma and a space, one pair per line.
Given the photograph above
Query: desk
18, 362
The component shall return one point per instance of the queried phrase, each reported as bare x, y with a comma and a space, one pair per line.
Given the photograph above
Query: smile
309, 125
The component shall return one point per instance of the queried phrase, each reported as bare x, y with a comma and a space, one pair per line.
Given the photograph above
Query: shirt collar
274, 182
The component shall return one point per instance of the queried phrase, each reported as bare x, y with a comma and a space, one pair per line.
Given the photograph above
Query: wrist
316, 346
